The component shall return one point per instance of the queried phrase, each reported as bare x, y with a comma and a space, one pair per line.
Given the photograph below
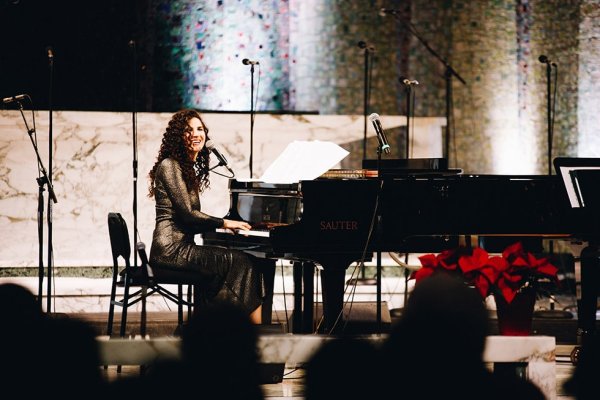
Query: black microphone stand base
553, 314
362, 281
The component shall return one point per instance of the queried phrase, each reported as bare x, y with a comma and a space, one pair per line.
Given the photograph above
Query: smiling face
195, 138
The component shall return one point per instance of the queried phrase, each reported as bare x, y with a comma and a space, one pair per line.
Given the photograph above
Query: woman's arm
169, 173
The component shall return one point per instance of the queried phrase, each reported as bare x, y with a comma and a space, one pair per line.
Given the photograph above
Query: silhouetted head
444, 316
330, 370
18, 304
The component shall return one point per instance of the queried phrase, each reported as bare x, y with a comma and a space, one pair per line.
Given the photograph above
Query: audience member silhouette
436, 348
583, 384
220, 343
219, 359
343, 368
72, 358
22, 335
46, 355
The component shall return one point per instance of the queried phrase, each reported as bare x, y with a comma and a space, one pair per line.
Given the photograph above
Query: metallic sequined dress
231, 273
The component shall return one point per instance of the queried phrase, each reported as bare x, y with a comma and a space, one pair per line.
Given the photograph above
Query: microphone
222, 160
545, 60
363, 45
408, 82
385, 11
141, 248
245, 61
18, 97
383, 143
50, 54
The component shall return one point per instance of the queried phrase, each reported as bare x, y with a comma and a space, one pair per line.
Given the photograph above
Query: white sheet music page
304, 160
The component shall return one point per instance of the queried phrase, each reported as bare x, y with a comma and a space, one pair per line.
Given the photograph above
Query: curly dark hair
174, 145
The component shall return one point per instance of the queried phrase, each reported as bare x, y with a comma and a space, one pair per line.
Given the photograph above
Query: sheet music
304, 160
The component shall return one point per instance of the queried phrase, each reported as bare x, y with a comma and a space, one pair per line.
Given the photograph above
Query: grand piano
336, 221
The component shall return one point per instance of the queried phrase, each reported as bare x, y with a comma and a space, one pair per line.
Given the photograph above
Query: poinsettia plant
502, 275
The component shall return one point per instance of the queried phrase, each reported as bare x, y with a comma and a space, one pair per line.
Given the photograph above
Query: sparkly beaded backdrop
309, 61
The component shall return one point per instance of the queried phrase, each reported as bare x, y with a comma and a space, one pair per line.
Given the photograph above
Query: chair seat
136, 277
173, 275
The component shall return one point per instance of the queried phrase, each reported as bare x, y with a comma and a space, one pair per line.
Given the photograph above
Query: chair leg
124, 312
179, 306
191, 291
125, 306
144, 315
111, 307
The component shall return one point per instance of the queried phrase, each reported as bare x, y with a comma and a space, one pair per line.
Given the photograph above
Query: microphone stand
251, 117
49, 177
549, 114
363, 280
448, 74
366, 91
408, 111
134, 139
41, 181
378, 232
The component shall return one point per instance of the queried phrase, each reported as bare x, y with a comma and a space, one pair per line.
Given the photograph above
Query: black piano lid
433, 164
411, 166
257, 187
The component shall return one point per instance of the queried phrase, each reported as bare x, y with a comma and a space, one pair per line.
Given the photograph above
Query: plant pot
515, 319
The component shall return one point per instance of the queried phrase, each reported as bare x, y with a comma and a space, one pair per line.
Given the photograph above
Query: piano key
252, 232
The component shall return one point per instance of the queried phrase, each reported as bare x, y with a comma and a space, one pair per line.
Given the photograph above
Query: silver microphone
18, 97
409, 82
222, 160
383, 143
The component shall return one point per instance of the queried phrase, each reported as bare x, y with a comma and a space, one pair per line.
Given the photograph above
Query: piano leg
297, 323
590, 289
308, 276
332, 282
302, 315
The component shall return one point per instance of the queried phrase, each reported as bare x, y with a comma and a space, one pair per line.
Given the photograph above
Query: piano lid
411, 166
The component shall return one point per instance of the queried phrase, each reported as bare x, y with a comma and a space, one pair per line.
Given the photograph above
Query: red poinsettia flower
523, 269
505, 275
447, 261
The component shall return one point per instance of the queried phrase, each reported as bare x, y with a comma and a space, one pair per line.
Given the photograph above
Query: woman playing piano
177, 179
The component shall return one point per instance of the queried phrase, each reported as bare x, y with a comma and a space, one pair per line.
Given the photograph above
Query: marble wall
92, 170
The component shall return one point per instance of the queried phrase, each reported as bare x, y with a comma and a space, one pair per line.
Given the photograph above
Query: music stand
581, 177
569, 169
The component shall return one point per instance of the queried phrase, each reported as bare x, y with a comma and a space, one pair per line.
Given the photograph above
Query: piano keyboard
252, 232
